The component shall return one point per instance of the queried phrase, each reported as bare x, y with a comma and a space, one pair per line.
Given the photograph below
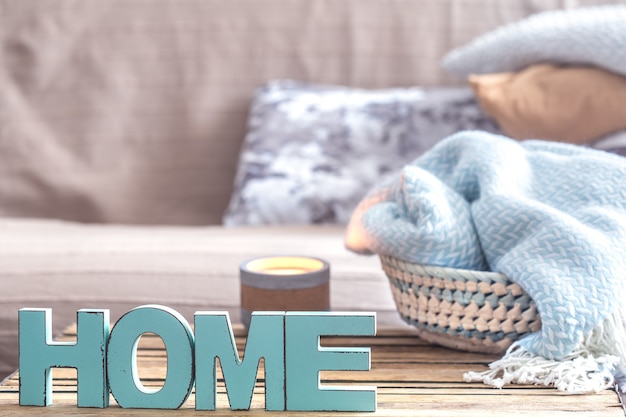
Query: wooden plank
388, 405
413, 378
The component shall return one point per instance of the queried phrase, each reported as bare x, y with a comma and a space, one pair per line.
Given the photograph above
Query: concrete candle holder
284, 283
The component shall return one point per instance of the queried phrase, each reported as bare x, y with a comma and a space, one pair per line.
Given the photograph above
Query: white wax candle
285, 265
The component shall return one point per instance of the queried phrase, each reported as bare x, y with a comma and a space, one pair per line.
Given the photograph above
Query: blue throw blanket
550, 216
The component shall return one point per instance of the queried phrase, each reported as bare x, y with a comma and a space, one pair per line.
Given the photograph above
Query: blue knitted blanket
550, 216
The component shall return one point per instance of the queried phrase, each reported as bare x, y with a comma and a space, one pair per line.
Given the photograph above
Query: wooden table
414, 378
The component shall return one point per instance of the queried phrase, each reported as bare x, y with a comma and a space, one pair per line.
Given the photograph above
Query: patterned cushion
590, 35
312, 151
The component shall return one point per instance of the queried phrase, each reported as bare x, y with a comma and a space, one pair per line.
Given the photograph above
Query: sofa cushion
614, 143
568, 104
588, 35
68, 266
313, 151
133, 111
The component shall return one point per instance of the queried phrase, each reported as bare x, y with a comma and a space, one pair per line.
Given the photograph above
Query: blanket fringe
593, 367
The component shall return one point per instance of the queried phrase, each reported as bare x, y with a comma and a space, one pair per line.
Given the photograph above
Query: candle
284, 283
284, 265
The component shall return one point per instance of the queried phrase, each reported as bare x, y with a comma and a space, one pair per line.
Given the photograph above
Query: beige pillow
569, 104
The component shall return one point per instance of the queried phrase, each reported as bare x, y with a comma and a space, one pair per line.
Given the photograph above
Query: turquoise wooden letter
214, 339
38, 354
305, 358
177, 336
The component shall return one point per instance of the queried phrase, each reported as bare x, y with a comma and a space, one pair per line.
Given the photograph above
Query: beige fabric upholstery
67, 266
133, 111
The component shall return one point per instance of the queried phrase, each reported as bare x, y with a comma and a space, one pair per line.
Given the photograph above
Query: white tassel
591, 368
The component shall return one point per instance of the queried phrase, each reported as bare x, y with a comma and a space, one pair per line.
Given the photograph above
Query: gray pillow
313, 151
613, 143
590, 35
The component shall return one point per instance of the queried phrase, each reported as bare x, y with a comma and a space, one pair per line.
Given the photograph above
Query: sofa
122, 123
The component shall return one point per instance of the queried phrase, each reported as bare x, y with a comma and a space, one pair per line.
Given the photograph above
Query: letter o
177, 336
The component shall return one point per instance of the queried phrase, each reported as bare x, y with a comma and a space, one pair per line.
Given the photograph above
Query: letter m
214, 339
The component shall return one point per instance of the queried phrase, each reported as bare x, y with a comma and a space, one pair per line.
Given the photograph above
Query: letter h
38, 354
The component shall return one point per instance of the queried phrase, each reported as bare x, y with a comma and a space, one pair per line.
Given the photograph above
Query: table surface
414, 378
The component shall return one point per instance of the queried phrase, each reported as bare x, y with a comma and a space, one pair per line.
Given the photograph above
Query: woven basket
475, 311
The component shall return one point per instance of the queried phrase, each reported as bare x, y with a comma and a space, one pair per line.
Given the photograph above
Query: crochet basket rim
477, 311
